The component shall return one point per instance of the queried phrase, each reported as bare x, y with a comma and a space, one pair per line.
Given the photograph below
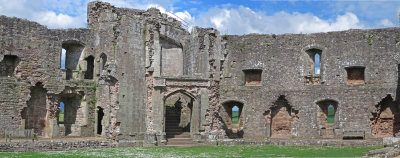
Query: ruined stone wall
38, 53
143, 57
283, 61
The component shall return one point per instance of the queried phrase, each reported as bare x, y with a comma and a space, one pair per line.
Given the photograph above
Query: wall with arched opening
232, 130
34, 115
327, 117
73, 52
386, 118
313, 66
178, 114
279, 118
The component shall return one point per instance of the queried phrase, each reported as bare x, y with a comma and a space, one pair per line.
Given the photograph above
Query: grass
331, 115
235, 117
206, 151
61, 116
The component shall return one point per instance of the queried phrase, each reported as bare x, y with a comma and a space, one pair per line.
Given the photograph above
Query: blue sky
229, 17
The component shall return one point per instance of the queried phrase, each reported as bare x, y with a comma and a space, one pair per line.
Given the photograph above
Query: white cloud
53, 20
36, 11
385, 23
243, 20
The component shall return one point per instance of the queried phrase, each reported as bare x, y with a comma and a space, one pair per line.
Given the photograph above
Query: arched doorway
178, 115
279, 118
386, 118
327, 117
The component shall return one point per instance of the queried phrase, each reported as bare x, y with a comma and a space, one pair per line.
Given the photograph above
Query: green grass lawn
61, 116
235, 117
207, 151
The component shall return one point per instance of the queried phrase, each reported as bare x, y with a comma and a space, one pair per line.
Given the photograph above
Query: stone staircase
176, 136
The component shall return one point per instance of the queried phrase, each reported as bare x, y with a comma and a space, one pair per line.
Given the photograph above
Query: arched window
103, 60
235, 115
61, 113
317, 64
63, 51
89, 67
331, 114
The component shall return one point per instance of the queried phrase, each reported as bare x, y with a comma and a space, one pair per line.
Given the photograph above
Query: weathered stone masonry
132, 74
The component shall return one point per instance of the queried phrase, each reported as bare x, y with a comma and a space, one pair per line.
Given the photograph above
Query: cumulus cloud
35, 11
243, 20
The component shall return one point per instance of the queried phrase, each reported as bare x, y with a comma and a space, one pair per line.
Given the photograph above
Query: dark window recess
89, 67
100, 115
8, 65
252, 77
355, 75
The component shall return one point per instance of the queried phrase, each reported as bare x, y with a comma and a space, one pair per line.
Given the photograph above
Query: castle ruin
137, 77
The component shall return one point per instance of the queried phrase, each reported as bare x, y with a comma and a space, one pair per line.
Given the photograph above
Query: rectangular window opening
253, 77
355, 75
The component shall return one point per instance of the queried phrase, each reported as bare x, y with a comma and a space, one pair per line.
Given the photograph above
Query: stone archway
279, 118
233, 127
327, 117
386, 118
178, 115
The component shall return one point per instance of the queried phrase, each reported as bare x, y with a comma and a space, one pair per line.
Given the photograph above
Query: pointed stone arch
386, 118
280, 118
232, 130
327, 117
181, 116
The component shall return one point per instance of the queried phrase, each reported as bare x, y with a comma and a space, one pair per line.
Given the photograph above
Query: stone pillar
203, 108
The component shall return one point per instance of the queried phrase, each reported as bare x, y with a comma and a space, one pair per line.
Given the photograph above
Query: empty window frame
315, 63
253, 77
355, 75
8, 65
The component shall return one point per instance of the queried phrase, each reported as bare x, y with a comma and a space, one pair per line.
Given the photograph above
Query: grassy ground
207, 151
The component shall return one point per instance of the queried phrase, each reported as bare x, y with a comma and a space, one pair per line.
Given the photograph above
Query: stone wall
128, 62
283, 61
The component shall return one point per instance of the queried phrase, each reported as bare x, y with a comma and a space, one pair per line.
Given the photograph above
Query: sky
228, 16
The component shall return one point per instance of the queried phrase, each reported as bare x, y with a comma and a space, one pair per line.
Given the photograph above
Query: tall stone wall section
283, 61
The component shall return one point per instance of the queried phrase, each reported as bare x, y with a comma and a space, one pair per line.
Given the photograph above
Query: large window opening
73, 52
233, 119
252, 77
72, 115
35, 112
8, 65
355, 75
100, 115
89, 67
171, 58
